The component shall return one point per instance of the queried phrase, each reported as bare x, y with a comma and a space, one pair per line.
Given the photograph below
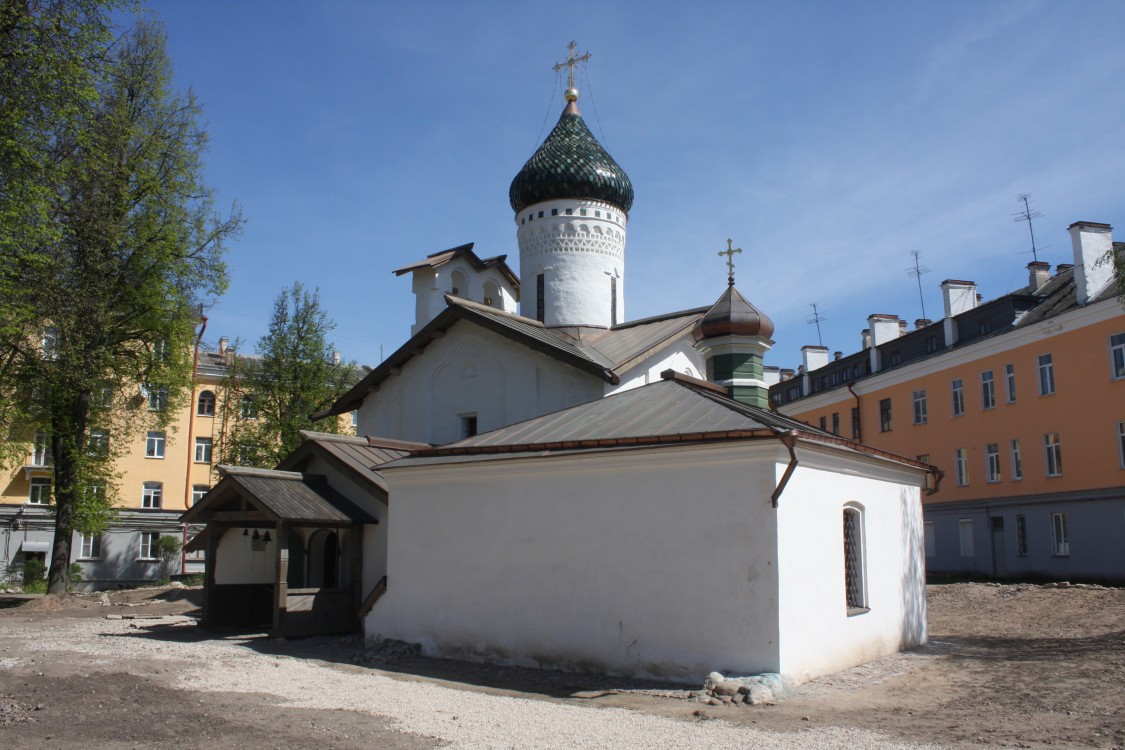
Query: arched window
491, 294
460, 286
855, 561
206, 404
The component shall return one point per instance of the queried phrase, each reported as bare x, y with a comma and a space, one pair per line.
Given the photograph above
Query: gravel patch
461, 718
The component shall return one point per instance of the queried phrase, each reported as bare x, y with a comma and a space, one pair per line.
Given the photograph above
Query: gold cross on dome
730, 252
572, 61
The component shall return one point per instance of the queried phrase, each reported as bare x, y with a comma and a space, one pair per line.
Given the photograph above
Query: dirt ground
1007, 665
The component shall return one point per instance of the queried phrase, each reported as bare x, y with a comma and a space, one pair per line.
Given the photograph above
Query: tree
109, 241
269, 398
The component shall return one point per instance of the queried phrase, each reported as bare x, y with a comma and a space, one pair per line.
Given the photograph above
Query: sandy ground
1013, 665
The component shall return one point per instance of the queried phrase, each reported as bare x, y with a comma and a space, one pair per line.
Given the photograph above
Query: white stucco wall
817, 635
235, 562
657, 562
431, 285
680, 356
471, 371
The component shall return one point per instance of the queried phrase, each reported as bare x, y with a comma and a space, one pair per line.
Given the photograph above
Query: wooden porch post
357, 565
209, 562
281, 589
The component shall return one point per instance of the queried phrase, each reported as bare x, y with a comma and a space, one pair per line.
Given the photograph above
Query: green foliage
167, 548
33, 571
109, 242
292, 377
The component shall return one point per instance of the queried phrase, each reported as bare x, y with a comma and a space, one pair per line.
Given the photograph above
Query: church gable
467, 380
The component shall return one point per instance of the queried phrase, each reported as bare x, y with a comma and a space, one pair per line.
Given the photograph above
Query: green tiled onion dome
571, 164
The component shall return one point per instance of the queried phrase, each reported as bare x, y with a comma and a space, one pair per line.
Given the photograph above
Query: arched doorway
324, 560
296, 577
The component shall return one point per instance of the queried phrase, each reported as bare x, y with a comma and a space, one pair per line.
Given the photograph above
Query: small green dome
571, 164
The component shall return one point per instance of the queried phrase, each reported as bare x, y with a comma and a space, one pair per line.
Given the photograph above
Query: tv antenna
917, 270
815, 319
1028, 215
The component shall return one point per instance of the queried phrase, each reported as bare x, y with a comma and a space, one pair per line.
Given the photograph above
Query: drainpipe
190, 445
859, 421
789, 440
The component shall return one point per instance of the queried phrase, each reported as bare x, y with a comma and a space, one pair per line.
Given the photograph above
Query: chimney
814, 357
1038, 273
884, 328
1092, 242
865, 335
223, 343
837, 356
335, 357
902, 328
922, 323
959, 297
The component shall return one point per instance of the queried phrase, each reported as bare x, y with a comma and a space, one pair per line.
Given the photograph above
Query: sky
828, 140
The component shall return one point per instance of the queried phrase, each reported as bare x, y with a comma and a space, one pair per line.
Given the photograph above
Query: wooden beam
239, 516
369, 602
355, 539
281, 588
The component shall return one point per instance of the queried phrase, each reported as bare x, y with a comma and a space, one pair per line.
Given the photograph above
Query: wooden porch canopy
280, 501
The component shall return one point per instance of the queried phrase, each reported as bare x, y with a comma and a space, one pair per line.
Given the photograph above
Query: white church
546, 483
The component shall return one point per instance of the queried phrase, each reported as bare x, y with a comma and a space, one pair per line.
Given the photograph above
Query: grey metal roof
677, 409
435, 260
282, 495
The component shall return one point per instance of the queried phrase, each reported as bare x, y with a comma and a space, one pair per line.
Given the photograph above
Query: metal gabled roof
362, 456
440, 258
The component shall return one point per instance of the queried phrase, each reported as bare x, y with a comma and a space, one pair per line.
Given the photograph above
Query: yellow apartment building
1019, 400
162, 473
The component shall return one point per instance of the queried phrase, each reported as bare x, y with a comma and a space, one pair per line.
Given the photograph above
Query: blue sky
827, 139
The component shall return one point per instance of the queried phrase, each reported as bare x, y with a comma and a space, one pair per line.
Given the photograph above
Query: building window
965, 534
987, 390
468, 425
1017, 462
1059, 538
248, 408
1121, 443
152, 494
1010, 381
1046, 375
931, 344
206, 404
50, 344
103, 396
158, 398
1052, 454
835, 423
855, 423
154, 445
148, 545
984, 326
540, 307
992, 462
41, 449
97, 443
160, 350
920, 416
854, 563
961, 466
885, 415
40, 492
1021, 535
1117, 356
197, 492
824, 424
613, 300
90, 546
928, 538
355, 419
957, 394
203, 450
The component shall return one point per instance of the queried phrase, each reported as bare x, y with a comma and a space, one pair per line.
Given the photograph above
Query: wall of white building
471, 371
655, 562
817, 634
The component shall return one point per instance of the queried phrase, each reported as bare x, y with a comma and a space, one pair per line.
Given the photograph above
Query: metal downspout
789, 440
859, 421
190, 442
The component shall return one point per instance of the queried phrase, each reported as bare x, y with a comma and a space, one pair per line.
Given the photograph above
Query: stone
759, 695
726, 688
712, 680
